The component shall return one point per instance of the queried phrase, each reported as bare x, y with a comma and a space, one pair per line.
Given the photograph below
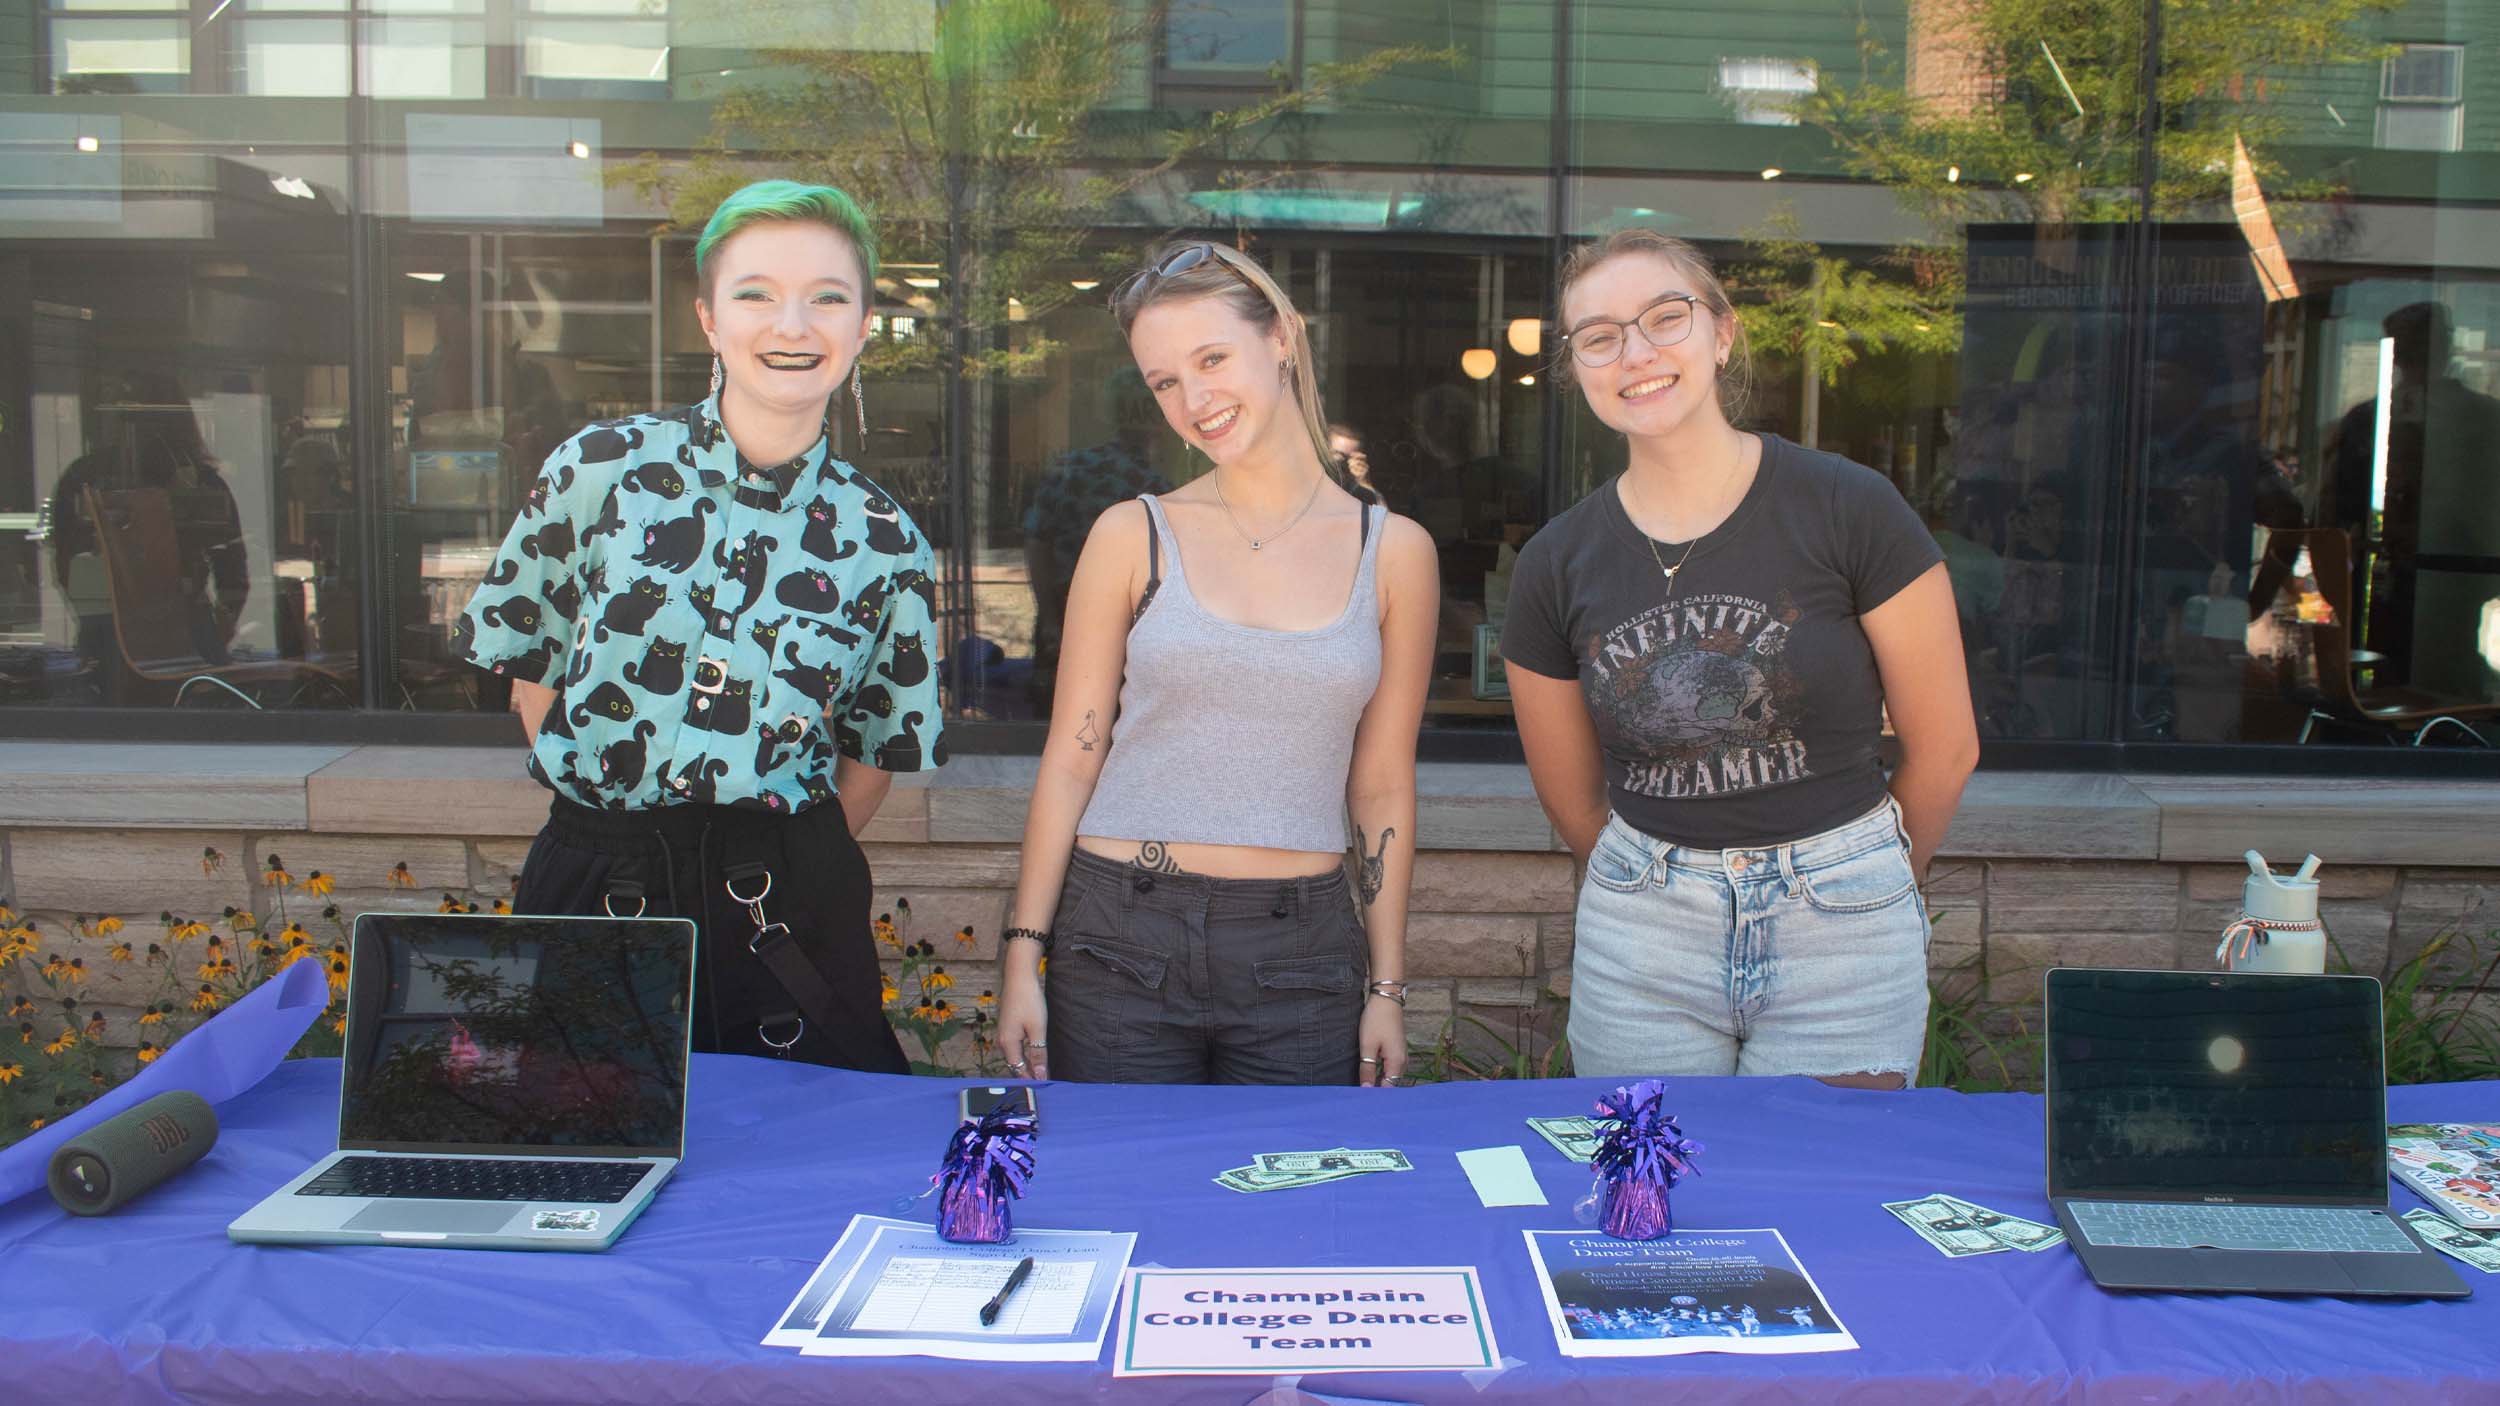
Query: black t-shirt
1743, 709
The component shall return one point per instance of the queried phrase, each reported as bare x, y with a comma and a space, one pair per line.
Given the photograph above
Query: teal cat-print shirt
715, 632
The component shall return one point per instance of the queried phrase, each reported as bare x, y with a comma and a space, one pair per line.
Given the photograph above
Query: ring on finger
1371, 1059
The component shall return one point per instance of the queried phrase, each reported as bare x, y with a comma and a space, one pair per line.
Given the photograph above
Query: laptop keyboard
477, 1179
2170, 1225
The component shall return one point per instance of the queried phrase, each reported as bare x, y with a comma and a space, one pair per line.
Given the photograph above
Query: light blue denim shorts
1802, 958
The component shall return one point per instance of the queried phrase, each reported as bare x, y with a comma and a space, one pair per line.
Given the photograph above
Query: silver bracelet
1394, 990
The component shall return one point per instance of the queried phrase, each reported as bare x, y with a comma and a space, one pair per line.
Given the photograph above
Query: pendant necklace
1258, 542
1665, 570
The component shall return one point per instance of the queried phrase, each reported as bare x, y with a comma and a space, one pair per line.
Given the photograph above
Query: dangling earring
1284, 372
860, 404
719, 373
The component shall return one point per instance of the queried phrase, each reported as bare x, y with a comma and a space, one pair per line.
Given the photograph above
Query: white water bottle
2278, 928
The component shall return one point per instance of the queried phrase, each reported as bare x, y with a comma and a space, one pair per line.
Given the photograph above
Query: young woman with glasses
1241, 679
1702, 655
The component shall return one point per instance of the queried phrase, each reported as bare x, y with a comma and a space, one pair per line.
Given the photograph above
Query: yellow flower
21, 1007
35, 1125
15, 943
120, 952
339, 1026
185, 929
211, 861
260, 947
107, 925
890, 992
986, 998
319, 884
207, 999
242, 918
293, 933
148, 1052
68, 1038
938, 980
153, 1015
296, 951
964, 939
399, 877
208, 969
7, 914
450, 904
54, 968
502, 906
26, 1032
95, 1026
77, 970
276, 875
923, 1008
338, 968
11, 1071
885, 930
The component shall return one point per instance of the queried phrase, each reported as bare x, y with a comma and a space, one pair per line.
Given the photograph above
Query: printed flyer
1692, 1291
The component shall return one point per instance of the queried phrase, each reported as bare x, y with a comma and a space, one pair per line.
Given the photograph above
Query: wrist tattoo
1155, 858
1086, 737
1370, 862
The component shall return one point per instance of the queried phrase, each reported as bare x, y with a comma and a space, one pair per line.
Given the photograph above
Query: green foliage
60, 1061
1800, 304
1470, 1048
1976, 1043
2438, 1032
985, 140
919, 1006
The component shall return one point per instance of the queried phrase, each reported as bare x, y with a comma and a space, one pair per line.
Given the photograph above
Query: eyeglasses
1662, 324
1178, 262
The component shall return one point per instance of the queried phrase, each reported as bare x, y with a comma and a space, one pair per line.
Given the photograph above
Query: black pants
678, 855
1183, 979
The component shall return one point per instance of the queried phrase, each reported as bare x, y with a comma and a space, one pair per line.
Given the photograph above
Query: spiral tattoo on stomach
1155, 857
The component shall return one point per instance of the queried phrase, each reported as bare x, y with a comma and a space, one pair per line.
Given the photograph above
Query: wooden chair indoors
2401, 714
153, 615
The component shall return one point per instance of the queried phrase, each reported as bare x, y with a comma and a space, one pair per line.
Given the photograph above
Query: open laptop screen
2211, 1086
494, 1034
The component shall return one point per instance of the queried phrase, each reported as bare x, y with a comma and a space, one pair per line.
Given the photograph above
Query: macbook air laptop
508, 1083
2226, 1132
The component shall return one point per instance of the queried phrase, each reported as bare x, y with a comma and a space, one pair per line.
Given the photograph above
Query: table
155, 1305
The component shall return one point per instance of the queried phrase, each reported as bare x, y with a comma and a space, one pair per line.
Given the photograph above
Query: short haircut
787, 202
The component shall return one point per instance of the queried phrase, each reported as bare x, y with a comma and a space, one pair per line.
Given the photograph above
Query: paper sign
1501, 1176
1255, 1322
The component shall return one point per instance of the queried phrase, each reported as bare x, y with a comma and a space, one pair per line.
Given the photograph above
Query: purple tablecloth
154, 1304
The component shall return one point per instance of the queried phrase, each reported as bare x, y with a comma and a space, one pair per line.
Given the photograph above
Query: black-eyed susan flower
185, 929
940, 1009
156, 954
108, 925
502, 906
986, 998
35, 1125
293, 933
153, 1015
148, 1052
7, 914
891, 993
26, 1032
319, 884
16, 943
120, 952
11, 1071
54, 968
62, 1043
242, 918
206, 999
963, 939
21, 1008
276, 875
904, 904
95, 1026
330, 912
211, 861
938, 980
450, 904
336, 962
260, 947
77, 970
338, 1025
399, 877
884, 928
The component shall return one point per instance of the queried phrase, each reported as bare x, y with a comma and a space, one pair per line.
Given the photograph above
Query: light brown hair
1736, 378
1253, 296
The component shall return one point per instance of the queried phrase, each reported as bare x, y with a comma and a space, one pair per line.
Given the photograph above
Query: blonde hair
1253, 296
1736, 378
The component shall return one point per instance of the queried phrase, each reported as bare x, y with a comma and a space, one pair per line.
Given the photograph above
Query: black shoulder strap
1154, 550
1363, 543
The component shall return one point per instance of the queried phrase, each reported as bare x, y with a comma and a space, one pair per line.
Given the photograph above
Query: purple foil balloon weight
987, 1164
1641, 1155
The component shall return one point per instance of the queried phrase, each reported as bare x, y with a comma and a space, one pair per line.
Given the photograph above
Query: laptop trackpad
2276, 1271
441, 1217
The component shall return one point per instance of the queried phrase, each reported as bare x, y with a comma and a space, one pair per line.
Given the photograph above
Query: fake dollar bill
1575, 1138
1339, 1159
2454, 1240
2013, 1232
1251, 1179
1943, 1225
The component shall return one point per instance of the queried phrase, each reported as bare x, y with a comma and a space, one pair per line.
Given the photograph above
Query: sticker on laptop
565, 1220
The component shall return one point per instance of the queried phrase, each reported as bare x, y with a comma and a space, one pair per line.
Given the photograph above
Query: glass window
290, 58
1764, 91
1252, 35
121, 55
2422, 99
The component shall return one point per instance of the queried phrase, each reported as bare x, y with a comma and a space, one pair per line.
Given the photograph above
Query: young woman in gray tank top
1240, 685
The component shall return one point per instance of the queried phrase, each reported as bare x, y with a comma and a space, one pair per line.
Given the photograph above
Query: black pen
989, 1311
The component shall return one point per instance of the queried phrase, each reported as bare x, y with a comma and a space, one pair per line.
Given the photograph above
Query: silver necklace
1257, 542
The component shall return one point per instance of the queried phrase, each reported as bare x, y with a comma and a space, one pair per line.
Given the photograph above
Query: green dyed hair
787, 201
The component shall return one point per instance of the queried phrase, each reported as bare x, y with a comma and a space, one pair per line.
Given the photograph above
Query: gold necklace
1652, 543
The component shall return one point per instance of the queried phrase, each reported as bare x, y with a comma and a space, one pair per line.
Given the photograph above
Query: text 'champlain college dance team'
720, 639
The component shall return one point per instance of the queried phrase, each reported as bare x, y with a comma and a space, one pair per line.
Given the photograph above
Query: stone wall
1490, 930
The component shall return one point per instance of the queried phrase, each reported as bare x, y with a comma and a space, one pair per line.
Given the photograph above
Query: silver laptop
508, 1084
2227, 1132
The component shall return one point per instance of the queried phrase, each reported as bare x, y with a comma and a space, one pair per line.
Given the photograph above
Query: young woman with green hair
720, 641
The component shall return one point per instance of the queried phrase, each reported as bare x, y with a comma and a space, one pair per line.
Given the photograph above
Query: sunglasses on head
1172, 265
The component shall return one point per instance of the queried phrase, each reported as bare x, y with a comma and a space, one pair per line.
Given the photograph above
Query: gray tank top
1230, 735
